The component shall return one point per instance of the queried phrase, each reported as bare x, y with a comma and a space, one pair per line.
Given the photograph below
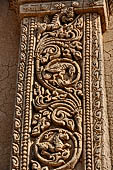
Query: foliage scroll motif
101, 145
97, 92
19, 98
56, 128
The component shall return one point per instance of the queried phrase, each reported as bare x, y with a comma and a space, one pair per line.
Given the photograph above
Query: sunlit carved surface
57, 103
60, 108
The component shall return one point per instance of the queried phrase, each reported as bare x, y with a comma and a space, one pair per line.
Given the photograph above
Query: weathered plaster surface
9, 43
9, 38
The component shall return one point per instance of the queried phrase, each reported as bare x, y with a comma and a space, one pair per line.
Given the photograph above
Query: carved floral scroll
57, 99
59, 107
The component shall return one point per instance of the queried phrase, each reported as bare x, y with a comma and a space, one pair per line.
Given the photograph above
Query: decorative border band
26, 125
87, 91
20, 97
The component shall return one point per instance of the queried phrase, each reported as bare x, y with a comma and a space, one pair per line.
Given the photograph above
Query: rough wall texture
9, 43
108, 65
9, 39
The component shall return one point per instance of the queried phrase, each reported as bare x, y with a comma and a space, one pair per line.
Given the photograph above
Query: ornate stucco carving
20, 97
57, 102
60, 111
100, 120
36, 7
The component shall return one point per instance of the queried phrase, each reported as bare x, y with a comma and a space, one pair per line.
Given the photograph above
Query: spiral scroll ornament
56, 128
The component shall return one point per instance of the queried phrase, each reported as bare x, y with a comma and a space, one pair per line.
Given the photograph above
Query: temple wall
9, 43
9, 40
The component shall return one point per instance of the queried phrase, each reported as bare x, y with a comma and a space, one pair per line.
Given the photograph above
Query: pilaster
60, 112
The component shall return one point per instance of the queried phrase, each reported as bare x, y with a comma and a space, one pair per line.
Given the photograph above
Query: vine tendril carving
57, 99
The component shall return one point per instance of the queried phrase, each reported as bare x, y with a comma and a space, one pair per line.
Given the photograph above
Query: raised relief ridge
19, 106
59, 109
56, 131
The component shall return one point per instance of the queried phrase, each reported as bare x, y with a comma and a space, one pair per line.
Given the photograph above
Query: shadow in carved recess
57, 99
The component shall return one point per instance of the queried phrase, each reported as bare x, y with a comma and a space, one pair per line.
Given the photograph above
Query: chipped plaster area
108, 65
9, 40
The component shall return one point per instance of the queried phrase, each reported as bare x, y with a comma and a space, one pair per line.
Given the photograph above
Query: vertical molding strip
25, 141
101, 144
17, 132
87, 92
96, 94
